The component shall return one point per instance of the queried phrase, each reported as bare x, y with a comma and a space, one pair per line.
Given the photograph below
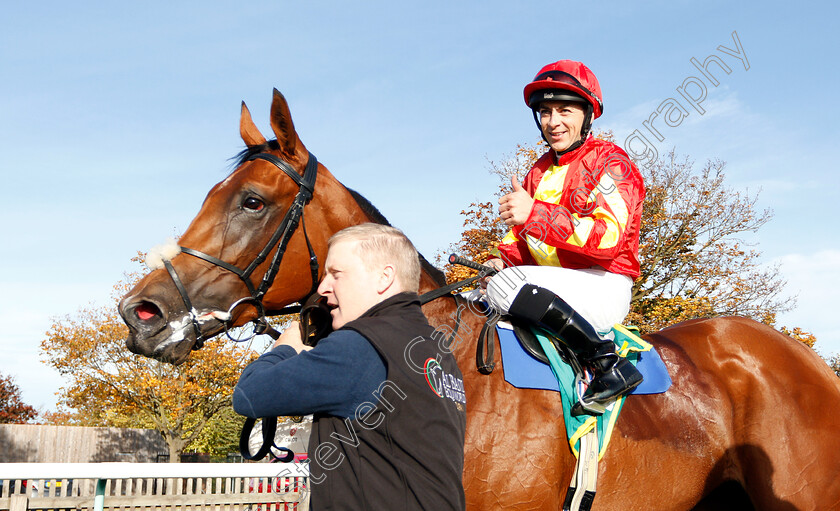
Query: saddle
529, 342
526, 364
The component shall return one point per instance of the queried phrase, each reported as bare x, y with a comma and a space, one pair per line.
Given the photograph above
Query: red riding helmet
565, 75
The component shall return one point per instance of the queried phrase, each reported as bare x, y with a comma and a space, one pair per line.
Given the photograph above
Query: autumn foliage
696, 260
12, 409
109, 386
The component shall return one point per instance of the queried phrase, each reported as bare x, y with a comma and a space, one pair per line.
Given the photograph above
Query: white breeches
601, 297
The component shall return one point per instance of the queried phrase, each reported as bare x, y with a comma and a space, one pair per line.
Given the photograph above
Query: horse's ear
248, 130
281, 124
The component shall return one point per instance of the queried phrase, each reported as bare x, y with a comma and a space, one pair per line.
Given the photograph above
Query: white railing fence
154, 487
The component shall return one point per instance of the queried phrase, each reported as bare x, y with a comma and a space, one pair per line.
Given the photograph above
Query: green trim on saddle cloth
628, 345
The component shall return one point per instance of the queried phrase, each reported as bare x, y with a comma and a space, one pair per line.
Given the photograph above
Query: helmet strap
587, 122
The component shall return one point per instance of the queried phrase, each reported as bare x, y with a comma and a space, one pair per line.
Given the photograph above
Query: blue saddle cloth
525, 372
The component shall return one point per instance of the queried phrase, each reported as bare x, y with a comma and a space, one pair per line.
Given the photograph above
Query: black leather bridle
281, 237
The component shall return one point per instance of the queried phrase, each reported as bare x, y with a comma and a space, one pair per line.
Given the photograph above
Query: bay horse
751, 420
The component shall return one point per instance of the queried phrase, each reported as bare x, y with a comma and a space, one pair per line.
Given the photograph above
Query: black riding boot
613, 376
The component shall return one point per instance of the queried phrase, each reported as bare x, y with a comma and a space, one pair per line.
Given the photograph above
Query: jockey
574, 231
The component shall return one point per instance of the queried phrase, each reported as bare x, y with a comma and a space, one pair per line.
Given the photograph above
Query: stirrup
589, 408
619, 380
584, 407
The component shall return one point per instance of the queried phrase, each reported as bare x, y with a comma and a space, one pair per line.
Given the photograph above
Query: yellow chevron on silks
617, 216
549, 190
551, 186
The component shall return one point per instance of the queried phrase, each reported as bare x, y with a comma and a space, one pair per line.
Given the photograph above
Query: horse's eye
253, 204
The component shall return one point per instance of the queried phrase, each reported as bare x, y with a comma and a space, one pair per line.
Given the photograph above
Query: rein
483, 270
485, 347
280, 239
440, 292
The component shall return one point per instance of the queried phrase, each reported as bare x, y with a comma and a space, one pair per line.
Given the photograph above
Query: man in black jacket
386, 434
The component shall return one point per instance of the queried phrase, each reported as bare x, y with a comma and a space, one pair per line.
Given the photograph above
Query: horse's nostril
146, 311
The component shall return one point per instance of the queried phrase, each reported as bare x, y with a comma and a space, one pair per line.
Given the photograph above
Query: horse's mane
369, 209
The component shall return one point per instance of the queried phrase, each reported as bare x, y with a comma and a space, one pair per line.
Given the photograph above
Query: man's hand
291, 337
515, 207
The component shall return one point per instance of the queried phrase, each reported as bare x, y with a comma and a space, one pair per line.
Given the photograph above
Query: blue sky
118, 118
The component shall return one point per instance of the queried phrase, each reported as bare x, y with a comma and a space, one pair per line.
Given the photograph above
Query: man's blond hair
379, 245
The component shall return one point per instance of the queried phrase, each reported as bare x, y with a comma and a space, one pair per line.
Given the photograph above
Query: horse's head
235, 245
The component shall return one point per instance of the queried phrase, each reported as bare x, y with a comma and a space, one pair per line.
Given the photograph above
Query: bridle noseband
280, 238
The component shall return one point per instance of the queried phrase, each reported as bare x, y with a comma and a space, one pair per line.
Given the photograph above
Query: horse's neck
427, 283
337, 205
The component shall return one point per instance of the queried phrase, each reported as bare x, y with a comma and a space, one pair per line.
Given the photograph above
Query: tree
109, 386
12, 408
695, 260
221, 436
834, 363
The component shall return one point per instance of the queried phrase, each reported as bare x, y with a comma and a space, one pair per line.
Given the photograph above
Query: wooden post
99, 498
19, 503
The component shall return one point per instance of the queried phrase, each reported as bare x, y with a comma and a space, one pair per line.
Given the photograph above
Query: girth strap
581, 492
486, 347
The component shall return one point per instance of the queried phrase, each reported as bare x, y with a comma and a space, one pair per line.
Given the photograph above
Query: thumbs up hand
515, 207
514, 182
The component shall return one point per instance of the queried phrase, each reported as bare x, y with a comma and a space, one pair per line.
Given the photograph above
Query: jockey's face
349, 286
561, 122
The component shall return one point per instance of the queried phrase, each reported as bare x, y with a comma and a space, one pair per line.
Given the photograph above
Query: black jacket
404, 448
